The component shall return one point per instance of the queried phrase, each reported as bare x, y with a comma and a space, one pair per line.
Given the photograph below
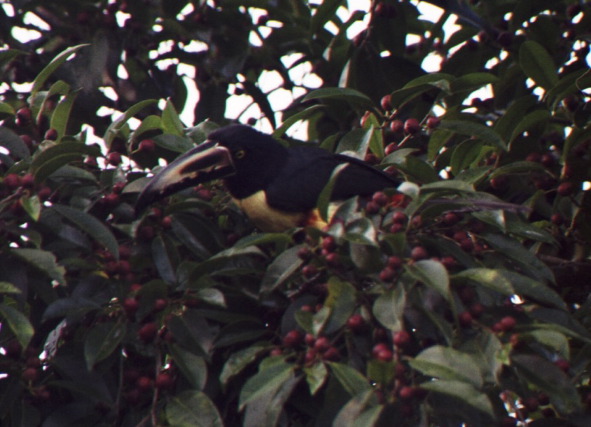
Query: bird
277, 187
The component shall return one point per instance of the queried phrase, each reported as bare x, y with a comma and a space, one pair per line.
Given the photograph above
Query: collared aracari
277, 187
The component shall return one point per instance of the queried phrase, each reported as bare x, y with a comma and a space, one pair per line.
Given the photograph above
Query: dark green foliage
462, 299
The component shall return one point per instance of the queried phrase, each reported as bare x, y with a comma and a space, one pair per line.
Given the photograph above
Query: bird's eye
239, 154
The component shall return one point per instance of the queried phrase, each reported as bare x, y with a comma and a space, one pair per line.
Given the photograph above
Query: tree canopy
460, 298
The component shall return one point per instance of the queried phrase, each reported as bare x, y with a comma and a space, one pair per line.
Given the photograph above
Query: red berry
309, 271
531, 404
30, 374
412, 126
507, 323
433, 122
164, 381
396, 227
111, 200
465, 319
147, 145
321, 344
145, 232
406, 392
418, 252
114, 158
12, 181
276, 352
148, 332
24, 115
372, 208
329, 244
467, 244
331, 354
379, 347
401, 338
399, 217
390, 148
332, 259
310, 340
131, 305
450, 218
293, 338
310, 356
387, 274
394, 262
458, 236
548, 160
557, 219
562, 364
386, 102
356, 323
160, 304
51, 134
144, 383
380, 198
448, 261
498, 182
566, 188
385, 355
166, 222
28, 180
397, 126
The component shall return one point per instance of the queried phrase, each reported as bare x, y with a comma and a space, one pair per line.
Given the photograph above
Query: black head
257, 158
248, 159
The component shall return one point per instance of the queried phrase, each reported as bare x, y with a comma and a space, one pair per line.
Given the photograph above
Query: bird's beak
204, 163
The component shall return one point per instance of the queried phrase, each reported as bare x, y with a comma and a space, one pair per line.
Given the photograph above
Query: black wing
307, 172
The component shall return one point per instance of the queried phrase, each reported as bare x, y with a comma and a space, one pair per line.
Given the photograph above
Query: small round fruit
147, 333
508, 323
30, 374
385, 355
114, 158
412, 126
164, 381
356, 323
386, 102
387, 274
322, 344
51, 134
566, 188
144, 383
397, 126
418, 253
401, 338
147, 146
293, 338
131, 306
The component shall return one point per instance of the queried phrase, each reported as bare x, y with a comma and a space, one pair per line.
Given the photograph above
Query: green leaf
533, 289
529, 121
89, 224
176, 143
43, 261
547, 377
9, 288
537, 64
281, 269
361, 410
518, 168
56, 156
514, 250
52, 66
472, 81
462, 391
193, 367
432, 274
468, 128
118, 123
351, 379
262, 239
18, 323
291, 120
101, 341
554, 340
13, 143
448, 364
324, 13
192, 408
171, 122
341, 300
316, 376
32, 206
492, 279
323, 202
61, 114
388, 308
238, 361
266, 382
340, 93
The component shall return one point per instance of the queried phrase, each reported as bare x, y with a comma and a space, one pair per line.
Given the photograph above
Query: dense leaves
460, 298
